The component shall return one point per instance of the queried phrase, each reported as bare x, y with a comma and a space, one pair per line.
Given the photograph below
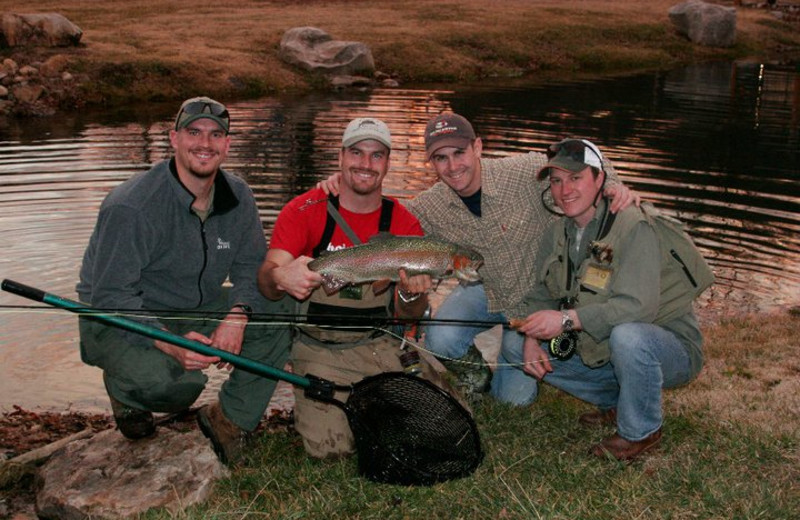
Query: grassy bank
164, 50
730, 451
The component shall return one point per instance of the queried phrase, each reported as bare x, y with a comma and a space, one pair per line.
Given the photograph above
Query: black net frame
408, 431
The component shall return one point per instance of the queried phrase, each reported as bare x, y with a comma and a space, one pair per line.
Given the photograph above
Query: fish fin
331, 284
380, 286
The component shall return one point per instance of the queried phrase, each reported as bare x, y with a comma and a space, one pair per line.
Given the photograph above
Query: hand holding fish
296, 279
414, 284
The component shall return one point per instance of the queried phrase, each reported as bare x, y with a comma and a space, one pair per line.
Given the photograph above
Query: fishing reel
565, 344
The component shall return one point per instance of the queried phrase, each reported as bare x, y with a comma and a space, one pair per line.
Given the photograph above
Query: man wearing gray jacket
165, 242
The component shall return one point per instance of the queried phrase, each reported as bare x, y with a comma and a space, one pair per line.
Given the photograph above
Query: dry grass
751, 376
167, 49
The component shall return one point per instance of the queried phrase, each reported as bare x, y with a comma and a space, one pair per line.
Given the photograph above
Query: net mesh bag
410, 432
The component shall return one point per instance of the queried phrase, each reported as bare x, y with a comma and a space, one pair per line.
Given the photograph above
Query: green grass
536, 466
730, 451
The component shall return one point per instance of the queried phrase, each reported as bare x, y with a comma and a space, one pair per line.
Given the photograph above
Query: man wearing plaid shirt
496, 207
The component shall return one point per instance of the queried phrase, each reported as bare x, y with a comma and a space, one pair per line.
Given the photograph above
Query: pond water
717, 145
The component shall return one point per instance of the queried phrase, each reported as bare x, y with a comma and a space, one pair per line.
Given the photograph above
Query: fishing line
455, 360
300, 320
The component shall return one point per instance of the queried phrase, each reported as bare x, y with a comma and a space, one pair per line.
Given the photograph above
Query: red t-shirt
301, 223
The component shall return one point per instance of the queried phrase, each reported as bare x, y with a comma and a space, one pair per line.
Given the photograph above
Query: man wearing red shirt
304, 228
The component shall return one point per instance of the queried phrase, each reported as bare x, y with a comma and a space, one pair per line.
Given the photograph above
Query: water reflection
716, 145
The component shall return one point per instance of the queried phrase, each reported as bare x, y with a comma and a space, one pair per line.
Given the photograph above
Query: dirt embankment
143, 51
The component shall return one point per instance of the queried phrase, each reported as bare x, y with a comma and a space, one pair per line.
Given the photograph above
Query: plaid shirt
507, 234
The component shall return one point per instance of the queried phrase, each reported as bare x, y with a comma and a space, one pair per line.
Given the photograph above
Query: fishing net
410, 432
407, 430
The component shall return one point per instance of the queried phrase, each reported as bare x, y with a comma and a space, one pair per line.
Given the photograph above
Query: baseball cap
363, 128
447, 129
200, 108
571, 155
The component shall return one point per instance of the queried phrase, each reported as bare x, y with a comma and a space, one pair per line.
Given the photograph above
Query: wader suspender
334, 217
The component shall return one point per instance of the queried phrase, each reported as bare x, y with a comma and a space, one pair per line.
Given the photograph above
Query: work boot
132, 422
471, 373
229, 440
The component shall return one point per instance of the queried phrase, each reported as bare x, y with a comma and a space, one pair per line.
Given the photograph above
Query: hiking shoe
229, 440
132, 422
472, 374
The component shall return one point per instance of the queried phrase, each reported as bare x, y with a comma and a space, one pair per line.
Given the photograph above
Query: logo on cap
364, 128
445, 130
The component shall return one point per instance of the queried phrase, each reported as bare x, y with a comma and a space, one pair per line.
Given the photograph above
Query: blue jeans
645, 358
467, 303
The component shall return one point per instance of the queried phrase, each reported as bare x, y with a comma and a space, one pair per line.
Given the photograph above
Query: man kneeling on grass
602, 291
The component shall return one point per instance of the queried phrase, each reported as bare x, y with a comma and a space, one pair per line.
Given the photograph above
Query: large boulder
46, 29
315, 50
109, 476
707, 24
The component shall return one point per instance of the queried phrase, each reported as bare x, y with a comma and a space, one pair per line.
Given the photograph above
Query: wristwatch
566, 321
246, 310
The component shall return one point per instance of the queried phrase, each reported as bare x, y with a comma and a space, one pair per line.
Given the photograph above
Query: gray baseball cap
363, 128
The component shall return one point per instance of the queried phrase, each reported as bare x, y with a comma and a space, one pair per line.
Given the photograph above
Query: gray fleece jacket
150, 251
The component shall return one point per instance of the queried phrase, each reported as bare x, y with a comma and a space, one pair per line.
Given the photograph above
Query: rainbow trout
384, 255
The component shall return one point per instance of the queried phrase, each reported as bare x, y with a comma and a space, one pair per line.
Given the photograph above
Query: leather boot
229, 440
623, 449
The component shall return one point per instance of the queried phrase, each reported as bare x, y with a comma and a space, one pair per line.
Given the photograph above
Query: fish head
466, 263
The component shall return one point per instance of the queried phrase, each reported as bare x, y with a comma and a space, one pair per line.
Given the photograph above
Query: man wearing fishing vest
166, 242
311, 224
605, 289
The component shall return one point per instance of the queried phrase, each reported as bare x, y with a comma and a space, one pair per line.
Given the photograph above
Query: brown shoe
599, 417
622, 449
229, 440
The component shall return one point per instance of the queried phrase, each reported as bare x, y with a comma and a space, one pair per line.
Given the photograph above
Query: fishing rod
416, 447
120, 317
290, 318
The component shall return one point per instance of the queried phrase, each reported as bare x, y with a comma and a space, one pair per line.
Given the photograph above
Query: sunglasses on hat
214, 111
575, 149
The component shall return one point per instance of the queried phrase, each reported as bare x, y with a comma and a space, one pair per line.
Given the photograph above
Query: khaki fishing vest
675, 299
